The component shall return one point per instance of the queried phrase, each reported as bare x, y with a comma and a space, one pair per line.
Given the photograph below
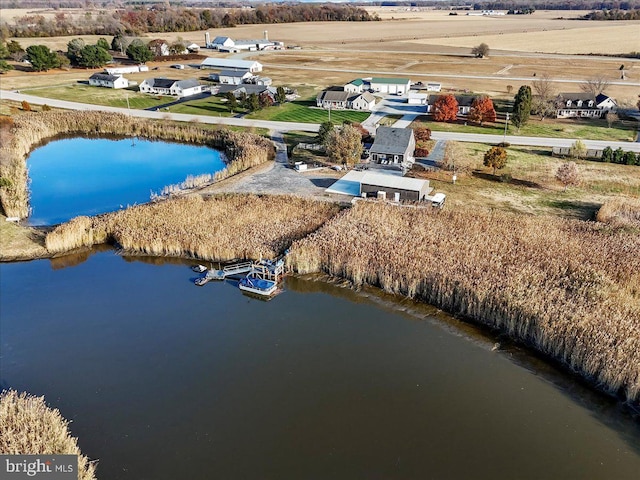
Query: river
166, 380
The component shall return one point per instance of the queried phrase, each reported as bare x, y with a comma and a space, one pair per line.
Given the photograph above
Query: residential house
109, 81
363, 101
234, 77
231, 64
394, 187
583, 105
166, 86
464, 103
393, 146
247, 89
397, 86
333, 99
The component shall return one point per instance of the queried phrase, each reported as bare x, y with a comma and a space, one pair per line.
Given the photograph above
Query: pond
82, 176
166, 380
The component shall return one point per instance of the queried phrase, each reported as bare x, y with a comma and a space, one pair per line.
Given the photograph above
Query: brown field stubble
243, 150
220, 228
571, 289
28, 425
621, 212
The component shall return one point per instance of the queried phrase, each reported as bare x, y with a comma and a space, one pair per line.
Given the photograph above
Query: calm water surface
165, 380
80, 176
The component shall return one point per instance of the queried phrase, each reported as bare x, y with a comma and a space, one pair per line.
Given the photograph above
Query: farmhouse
394, 187
231, 64
356, 86
109, 81
166, 86
398, 86
393, 146
583, 105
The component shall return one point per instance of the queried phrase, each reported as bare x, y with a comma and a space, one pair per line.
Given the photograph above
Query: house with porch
583, 105
166, 86
108, 81
333, 99
393, 146
464, 103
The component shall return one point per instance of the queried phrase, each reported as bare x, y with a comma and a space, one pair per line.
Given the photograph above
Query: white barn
232, 64
234, 77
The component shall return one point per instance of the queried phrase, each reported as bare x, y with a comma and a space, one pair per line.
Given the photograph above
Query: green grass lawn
574, 128
305, 111
213, 105
100, 96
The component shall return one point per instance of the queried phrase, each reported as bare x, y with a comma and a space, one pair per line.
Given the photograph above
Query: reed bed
571, 289
620, 212
29, 426
243, 150
220, 228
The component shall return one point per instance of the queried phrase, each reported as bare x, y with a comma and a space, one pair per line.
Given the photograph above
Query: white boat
258, 286
198, 268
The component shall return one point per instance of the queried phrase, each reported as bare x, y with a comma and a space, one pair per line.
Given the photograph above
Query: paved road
181, 117
313, 127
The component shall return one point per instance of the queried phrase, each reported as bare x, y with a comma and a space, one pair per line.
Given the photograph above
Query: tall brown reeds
571, 289
243, 150
29, 426
221, 228
620, 211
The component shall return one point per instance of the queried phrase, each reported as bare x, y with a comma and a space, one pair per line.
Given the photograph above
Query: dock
264, 269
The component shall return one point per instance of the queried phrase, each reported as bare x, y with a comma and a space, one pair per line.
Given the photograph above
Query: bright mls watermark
39, 467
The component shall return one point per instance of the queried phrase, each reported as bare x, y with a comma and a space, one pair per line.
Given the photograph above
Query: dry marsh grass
620, 212
29, 426
224, 227
571, 289
243, 150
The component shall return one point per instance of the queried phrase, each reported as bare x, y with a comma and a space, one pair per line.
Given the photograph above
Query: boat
198, 268
258, 286
200, 281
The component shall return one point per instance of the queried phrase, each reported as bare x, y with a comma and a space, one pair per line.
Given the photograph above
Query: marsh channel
165, 380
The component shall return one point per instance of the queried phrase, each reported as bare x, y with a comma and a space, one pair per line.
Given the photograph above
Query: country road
313, 127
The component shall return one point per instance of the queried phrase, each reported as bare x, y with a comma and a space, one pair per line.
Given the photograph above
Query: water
165, 380
68, 177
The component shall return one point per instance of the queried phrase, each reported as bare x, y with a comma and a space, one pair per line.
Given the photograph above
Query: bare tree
568, 174
481, 50
543, 87
611, 117
543, 108
595, 85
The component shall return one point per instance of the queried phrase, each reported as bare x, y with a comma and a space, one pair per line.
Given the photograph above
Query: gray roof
574, 97
234, 73
368, 97
334, 96
393, 141
221, 40
248, 88
168, 83
463, 100
105, 77
393, 181
189, 83
229, 63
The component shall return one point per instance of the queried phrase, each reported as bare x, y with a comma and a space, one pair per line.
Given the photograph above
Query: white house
583, 105
234, 77
335, 99
109, 81
363, 101
166, 86
398, 86
231, 64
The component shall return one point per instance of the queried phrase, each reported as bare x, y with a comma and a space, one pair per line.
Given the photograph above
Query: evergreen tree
281, 96
522, 106
607, 154
93, 56
41, 58
139, 52
324, 130
102, 43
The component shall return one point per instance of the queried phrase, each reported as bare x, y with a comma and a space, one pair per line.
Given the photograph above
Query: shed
395, 187
234, 77
398, 86
231, 64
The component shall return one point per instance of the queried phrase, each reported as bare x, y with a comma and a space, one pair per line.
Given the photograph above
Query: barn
231, 64
397, 86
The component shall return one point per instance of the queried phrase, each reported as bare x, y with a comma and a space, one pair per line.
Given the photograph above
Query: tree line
138, 20
613, 15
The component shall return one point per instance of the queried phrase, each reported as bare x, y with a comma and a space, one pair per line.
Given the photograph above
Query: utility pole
506, 123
